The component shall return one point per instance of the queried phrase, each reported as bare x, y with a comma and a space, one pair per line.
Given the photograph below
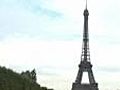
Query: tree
33, 75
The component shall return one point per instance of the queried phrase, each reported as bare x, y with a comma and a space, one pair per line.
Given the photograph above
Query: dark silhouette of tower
85, 64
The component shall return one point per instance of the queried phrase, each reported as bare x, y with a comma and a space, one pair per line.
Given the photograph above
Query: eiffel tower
85, 64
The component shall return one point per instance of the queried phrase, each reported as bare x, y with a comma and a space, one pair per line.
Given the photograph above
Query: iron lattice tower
85, 64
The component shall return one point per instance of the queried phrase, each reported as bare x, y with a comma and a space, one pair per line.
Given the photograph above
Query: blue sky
47, 35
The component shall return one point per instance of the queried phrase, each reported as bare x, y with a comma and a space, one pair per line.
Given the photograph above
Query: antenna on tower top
86, 4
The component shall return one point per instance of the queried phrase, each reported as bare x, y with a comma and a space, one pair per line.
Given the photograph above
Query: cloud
39, 7
35, 19
35, 6
109, 69
25, 17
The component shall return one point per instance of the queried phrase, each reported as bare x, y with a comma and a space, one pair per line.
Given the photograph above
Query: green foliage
31, 76
10, 80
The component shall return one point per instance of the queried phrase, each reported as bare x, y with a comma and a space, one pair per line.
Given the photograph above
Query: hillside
10, 80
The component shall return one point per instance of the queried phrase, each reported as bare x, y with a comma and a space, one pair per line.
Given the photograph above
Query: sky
47, 35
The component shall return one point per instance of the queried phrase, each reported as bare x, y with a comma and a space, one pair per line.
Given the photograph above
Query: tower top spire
86, 4
86, 13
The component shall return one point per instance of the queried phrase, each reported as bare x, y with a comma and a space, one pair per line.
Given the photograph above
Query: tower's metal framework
85, 64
